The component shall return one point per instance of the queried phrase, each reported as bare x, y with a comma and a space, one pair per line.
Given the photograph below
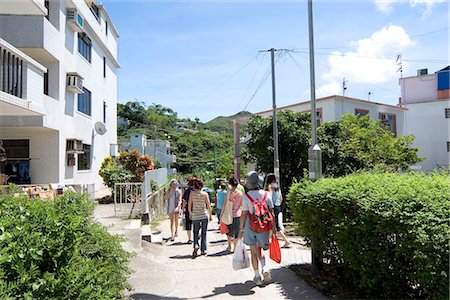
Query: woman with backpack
256, 224
277, 199
199, 208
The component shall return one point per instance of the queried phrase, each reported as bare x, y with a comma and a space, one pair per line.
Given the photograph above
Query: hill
224, 124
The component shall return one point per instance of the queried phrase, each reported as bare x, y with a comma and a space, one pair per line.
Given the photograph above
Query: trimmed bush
54, 250
386, 233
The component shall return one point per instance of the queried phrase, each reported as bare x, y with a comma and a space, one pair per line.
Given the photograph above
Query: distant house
332, 108
427, 98
158, 149
58, 90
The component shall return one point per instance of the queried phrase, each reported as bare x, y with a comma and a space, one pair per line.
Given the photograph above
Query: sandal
194, 254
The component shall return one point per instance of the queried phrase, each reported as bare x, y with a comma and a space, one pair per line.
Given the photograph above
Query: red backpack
261, 220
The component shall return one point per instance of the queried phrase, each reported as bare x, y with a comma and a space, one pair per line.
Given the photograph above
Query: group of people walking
239, 207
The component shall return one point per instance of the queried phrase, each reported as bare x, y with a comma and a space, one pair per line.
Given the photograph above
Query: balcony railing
11, 73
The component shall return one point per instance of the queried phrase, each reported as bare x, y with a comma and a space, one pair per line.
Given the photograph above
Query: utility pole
314, 153
215, 163
344, 86
276, 159
154, 143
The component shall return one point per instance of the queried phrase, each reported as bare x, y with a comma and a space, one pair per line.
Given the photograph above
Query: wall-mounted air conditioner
75, 20
74, 146
74, 83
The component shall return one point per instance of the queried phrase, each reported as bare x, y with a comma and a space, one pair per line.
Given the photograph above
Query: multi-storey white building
427, 98
58, 90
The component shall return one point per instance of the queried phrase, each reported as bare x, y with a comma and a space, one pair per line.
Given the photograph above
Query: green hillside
224, 124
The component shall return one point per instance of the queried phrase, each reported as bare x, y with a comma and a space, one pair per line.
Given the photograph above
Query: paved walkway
166, 271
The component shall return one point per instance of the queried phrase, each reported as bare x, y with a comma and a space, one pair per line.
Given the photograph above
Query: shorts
252, 238
277, 211
234, 227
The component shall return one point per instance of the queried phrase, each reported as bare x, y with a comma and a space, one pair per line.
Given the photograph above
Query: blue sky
201, 58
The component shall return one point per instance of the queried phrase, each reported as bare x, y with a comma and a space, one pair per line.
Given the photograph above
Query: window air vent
74, 83
75, 20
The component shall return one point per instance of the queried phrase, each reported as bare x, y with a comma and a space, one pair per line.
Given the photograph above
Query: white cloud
373, 61
386, 6
328, 89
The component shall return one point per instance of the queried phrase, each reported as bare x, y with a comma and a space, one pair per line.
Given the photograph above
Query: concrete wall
419, 88
44, 148
427, 122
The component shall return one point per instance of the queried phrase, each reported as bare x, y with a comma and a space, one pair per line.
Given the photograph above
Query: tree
360, 143
294, 139
351, 144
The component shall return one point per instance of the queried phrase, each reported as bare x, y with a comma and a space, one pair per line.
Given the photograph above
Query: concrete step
150, 235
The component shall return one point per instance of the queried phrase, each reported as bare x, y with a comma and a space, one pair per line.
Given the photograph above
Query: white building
58, 78
428, 116
158, 149
332, 108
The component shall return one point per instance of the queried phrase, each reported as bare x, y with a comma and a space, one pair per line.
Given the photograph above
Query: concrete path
166, 271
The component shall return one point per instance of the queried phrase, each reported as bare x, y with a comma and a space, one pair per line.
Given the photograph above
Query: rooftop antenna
344, 86
399, 63
368, 95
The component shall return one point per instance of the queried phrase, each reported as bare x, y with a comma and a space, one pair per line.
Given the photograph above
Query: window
17, 165
318, 117
448, 146
361, 112
47, 6
104, 112
106, 27
84, 159
447, 113
104, 67
84, 102
46, 83
95, 11
389, 120
84, 46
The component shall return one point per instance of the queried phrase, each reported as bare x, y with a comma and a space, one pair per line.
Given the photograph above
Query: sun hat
254, 181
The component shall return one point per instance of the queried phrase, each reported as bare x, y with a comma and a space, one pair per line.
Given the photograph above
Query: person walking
256, 224
173, 197
187, 218
220, 196
199, 210
233, 198
277, 198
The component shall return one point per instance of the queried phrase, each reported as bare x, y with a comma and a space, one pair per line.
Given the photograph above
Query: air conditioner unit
74, 83
75, 20
421, 72
74, 146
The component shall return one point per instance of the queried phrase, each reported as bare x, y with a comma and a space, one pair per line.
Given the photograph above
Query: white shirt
256, 196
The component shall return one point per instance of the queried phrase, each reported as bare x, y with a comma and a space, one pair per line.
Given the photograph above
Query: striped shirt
199, 211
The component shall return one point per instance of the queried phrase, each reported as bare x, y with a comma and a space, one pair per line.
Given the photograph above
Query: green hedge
386, 233
54, 250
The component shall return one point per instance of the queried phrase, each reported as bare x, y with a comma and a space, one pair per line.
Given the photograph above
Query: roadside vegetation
378, 235
55, 250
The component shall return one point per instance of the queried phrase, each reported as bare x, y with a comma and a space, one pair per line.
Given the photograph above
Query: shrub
136, 163
54, 250
388, 233
112, 172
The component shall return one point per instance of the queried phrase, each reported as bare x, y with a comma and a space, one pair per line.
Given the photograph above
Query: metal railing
128, 197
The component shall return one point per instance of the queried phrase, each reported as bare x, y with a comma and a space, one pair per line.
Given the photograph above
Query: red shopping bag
224, 228
274, 249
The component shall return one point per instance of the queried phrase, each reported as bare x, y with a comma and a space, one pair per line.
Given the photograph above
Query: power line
253, 78
264, 78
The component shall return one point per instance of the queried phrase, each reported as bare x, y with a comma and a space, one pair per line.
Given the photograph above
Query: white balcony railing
21, 82
23, 7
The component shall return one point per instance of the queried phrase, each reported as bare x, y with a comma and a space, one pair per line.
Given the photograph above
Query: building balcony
21, 83
23, 7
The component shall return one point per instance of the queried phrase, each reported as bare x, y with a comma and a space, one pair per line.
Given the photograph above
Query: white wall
419, 88
43, 151
428, 123
55, 45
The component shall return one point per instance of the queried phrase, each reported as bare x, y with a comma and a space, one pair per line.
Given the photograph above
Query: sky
203, 58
